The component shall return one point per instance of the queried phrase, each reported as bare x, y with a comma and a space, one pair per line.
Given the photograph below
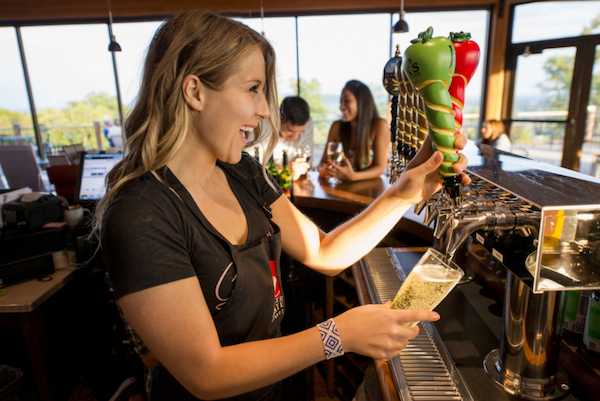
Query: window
552, 20
590, 159
542, 93
72, 81
553, 58
134, 39
336, 49
15, 115
281, 33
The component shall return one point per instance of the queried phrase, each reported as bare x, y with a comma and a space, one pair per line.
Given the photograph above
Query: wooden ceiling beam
33, 12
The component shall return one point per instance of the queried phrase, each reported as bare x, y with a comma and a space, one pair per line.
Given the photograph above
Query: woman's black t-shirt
150, 237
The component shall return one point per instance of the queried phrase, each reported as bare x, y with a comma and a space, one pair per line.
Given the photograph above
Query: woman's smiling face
229, 114
348, 106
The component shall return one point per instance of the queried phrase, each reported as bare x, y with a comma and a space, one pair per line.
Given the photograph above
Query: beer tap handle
392, 86
452, 189
444, 221
420, 206
430, 214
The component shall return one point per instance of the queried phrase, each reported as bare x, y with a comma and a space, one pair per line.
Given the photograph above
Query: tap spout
463, 226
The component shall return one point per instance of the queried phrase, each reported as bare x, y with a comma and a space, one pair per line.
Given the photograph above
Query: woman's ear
192, 91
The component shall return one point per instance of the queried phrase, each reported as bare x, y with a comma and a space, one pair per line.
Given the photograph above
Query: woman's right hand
420, 180
377, 331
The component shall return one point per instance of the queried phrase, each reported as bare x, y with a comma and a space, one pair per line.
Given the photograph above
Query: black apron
256, 306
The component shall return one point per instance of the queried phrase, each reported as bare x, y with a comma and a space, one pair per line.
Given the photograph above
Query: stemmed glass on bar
335, 153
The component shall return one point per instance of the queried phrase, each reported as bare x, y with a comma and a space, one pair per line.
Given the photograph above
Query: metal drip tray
423, 371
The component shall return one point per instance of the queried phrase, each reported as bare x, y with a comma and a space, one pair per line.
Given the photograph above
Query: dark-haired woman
364, 135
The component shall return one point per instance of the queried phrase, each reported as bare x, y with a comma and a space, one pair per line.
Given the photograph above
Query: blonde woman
192, 227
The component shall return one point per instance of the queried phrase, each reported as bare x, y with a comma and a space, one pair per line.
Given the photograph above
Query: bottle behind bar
257, 154
576, 311
591, 332
286, 177
273, 170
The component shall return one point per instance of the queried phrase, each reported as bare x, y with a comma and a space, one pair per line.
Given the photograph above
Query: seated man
295, 136
115, 134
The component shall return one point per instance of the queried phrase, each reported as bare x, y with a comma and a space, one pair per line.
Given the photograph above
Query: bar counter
469, 328
314, 193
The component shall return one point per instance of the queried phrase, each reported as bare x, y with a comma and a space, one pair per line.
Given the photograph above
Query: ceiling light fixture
262, 19
401, 26
113, 46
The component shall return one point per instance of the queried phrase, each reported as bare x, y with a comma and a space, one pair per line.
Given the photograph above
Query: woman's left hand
420, 180
343, 170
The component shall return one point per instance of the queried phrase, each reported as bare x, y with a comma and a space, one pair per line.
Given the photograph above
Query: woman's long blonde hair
194, 42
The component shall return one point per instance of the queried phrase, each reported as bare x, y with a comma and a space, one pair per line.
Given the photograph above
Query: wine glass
306, 153
335, 151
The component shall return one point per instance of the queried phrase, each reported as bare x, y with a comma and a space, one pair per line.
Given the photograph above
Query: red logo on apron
275, 281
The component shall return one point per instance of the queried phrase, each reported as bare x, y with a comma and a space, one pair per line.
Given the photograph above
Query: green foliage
593, 25
7, 118
520, 133
557, 86
381, 98
595, 88
560, 75
311, 92
92, 108
73, 124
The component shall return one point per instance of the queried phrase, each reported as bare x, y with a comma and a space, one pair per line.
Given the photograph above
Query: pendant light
113, 46
262, 19
401, 26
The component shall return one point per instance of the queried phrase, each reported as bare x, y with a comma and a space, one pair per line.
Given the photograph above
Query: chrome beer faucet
542, 223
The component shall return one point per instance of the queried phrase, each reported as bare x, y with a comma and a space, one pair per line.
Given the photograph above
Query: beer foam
435, 273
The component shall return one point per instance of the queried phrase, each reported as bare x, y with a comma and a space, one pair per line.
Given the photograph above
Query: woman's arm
381, 149
174, 322
332, 252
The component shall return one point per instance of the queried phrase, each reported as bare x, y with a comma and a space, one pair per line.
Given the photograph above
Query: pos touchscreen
93, 169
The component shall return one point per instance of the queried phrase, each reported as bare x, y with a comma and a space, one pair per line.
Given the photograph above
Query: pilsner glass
427, 284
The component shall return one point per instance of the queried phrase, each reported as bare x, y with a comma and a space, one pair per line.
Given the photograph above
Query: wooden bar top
352, 198
348, 196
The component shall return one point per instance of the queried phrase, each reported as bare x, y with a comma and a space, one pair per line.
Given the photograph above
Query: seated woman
492, 133
364, 135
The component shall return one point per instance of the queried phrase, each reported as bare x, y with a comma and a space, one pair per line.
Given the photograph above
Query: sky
67, 62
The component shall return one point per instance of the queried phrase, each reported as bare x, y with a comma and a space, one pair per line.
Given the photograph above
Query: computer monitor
93, 169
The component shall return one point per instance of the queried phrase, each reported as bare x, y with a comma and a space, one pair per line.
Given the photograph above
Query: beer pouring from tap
428, 283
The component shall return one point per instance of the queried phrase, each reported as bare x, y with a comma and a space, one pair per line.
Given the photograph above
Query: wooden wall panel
497, 77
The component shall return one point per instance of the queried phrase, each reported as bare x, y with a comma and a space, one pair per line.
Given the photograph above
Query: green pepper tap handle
429, 64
